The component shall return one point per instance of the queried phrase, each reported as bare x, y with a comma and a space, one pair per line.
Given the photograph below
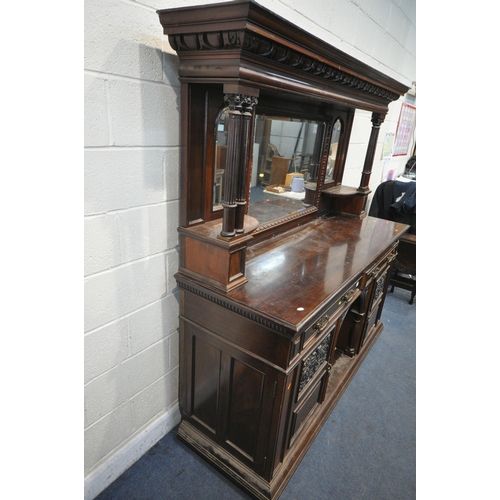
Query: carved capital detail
240, 102
377, 120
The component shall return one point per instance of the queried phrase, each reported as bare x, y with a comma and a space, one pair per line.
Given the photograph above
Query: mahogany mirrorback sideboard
282, 274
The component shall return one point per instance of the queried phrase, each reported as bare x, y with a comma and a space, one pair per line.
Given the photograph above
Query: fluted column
238, 146
377, 120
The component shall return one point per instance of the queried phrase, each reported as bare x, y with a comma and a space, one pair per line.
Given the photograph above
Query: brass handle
349, 295
321, 323
329, 366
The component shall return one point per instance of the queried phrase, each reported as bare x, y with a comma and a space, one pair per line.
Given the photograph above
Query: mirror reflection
220, 158
334, 144
285, 160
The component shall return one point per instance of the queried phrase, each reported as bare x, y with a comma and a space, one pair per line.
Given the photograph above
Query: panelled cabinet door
379, 288
311, 380
312, 376
231, 396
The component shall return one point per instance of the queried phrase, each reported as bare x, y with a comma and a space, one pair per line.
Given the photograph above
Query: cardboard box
289, 177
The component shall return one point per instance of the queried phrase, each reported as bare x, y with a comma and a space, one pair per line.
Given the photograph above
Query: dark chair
405, 266
389, 203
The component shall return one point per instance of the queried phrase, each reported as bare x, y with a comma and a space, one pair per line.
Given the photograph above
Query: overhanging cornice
243, 42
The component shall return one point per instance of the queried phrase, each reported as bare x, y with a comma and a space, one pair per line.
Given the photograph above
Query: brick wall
131, 203
131, 212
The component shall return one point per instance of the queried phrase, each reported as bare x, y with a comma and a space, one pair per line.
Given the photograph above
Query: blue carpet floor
366, 449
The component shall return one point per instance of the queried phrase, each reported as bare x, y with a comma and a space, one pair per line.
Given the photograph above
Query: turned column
246, 140
377, 120
239, 134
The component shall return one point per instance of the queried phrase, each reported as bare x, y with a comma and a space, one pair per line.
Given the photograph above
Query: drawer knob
320, 324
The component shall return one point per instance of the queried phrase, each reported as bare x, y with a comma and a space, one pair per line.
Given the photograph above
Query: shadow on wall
138, 121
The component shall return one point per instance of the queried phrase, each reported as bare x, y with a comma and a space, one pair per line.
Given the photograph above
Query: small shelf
341, 190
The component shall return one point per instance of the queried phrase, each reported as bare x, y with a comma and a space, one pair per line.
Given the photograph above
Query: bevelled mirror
286, 153
334, 146
220, 158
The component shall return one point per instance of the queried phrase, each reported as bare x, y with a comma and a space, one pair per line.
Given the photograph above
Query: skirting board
99, 478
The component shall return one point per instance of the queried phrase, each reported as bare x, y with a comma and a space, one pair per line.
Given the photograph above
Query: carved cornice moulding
245, 35
272, 50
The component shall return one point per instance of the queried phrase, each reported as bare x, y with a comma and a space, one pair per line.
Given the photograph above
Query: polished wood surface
277, 315
312, 265
223, 262
264, 364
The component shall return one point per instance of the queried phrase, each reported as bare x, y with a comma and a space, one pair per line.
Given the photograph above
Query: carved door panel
310, 385
378, 290
313, 375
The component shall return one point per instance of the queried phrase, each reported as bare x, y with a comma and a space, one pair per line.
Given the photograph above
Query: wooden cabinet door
230, 395
311, 377
378, 291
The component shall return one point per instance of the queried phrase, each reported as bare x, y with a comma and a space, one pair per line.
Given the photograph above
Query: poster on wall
388, 145
404, 132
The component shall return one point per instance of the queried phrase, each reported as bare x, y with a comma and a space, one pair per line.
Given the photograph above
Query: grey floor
366, 449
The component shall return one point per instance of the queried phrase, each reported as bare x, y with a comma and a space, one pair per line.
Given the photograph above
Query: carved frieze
271, 49
230, 306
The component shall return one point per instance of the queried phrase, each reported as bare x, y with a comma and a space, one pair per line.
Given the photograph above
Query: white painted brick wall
120, 178
142, 113
131, 202
117, 386
95, 115
131, 212
105, 348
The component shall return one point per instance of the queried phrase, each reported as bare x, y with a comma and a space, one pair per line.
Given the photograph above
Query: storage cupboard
282, 282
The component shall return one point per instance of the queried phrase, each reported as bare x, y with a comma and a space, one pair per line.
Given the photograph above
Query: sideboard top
291, 280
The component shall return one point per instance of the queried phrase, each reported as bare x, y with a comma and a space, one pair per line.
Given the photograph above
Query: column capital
240, 102
377, 120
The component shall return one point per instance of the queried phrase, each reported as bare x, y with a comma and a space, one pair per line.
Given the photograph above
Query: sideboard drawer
374, 271
328, 317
